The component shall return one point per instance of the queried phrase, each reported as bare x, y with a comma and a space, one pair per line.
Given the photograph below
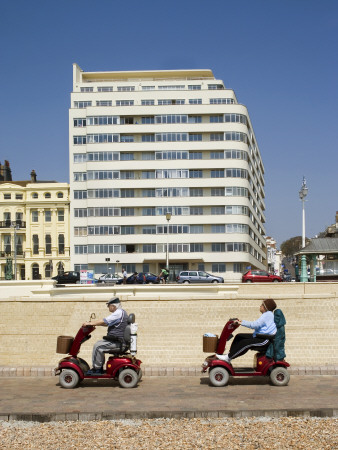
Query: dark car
141, 278
260, 276
68, 278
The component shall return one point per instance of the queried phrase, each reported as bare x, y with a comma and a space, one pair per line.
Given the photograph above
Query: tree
292, 245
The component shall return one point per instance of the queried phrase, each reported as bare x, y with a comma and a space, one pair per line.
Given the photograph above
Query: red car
260, 276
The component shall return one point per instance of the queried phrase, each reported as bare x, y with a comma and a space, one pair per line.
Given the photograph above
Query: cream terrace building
34, 229
163, 159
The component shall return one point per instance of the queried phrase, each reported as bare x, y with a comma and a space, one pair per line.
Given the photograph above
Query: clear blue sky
280, 57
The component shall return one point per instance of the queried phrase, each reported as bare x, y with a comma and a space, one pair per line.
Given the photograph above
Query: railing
19, 254
9, 224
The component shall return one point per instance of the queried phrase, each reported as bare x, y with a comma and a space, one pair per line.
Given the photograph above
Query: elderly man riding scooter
116, 323
264, 329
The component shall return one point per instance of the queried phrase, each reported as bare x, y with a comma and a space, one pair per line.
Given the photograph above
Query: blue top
264, 325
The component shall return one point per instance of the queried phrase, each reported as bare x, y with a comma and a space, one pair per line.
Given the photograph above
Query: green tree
292, 245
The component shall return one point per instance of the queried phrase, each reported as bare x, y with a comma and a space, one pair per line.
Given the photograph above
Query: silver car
109, 278
197, 276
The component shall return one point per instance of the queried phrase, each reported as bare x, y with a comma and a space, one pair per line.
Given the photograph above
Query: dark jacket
276, 349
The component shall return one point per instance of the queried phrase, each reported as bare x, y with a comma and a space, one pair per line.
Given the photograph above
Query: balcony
19, 254
11, 224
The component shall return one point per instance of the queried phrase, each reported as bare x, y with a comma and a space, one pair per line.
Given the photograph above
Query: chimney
5, 172
33, 176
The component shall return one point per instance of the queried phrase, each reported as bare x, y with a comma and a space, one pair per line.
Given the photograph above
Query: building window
215, 86
48, 195
196, 229
217, 119
59, 195
48, 271
147, 102
79, 140
35, 216
48, 215
195, 137
82, 104
198, 247
48, 244
195, 155
148, 120
219, 173
217, 228
61, 215
7, 243
237, 268
79, 123
7, 196
125, 88
148, 211
196, 192
196, 210
104, 103
195, 174
124, 102
102, 120
195, 101
61, 244
86, 89
35, 195
18, 196
218, 247
222, 101
35, 241
217, 210
218, 267
217, 137
149, 248
194, 87
105, 89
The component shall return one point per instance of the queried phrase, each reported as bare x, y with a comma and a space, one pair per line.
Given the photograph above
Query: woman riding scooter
264, 327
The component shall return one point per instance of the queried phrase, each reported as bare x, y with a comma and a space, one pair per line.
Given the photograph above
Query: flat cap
113, 301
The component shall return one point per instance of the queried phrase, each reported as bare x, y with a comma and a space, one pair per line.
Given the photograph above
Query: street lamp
302, 194
117, 266
16, 227
168, 217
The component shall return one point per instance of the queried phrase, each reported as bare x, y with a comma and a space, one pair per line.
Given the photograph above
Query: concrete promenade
42, 399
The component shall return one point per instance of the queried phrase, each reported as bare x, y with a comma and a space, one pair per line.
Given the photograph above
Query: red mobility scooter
220, 371
122, 366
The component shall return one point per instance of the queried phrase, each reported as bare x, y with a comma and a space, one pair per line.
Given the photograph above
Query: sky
279, 56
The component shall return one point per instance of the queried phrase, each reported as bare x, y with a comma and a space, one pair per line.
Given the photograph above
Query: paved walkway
42, 398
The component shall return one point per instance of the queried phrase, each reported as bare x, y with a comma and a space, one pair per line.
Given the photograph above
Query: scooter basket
64, 344
210, 344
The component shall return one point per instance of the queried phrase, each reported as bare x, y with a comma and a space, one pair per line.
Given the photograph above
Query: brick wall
170, 329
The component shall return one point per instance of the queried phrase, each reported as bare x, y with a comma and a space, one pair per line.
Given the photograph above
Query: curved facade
147, 144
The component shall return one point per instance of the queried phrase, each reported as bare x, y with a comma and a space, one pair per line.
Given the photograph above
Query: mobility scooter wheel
279, 376
128, 378
219, 376
69, 379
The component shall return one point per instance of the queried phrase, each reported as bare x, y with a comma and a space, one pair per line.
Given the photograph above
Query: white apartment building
163, 160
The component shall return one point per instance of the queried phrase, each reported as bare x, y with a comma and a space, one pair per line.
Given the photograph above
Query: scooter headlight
205, 364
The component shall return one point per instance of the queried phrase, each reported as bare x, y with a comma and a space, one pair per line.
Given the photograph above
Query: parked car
141, 278
197, 276
260, 276
108, 278
68, 278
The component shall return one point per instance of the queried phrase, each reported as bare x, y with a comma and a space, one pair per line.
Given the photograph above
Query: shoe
224, 358
93, 372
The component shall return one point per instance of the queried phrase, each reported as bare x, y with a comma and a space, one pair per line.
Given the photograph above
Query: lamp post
16, 227
168, 217
302, 194
117, 266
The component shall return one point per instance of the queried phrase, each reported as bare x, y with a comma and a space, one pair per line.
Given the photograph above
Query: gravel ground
247, 433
